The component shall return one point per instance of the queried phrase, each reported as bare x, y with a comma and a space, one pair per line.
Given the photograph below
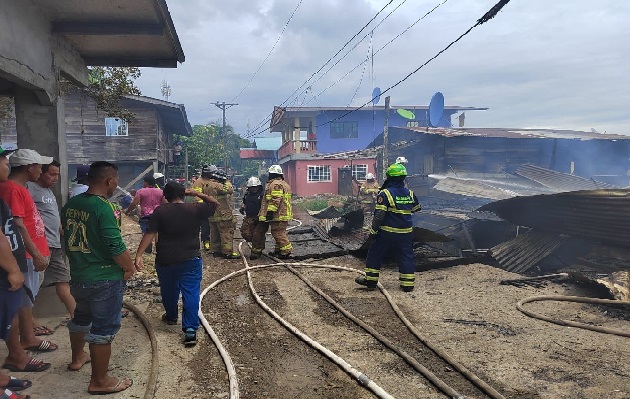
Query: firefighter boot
368, 283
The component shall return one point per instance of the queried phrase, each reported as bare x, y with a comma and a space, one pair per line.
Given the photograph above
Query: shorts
9, 305
144, 223
57, 270
98, 310
32, 282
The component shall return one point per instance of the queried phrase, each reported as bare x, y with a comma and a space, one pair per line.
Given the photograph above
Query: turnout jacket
394, 206
222, 192
252, 202
277, 199
368, 192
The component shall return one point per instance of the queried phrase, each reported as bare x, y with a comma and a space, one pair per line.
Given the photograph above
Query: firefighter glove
270, 216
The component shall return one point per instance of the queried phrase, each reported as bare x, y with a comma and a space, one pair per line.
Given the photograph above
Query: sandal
10, 394
43, 330
44, 346
33, 365
119, 387
16, 384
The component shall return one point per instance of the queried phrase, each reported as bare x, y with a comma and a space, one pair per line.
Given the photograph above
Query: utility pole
385, 138
223, 106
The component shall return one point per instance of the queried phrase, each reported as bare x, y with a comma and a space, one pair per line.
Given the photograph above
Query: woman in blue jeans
178, 260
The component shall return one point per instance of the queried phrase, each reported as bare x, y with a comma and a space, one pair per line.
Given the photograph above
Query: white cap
158, 175
275, 169
24, 157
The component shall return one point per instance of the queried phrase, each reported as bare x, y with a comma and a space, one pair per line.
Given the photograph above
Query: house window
413, 124
116, 127
344, 130
359, 172
318, 173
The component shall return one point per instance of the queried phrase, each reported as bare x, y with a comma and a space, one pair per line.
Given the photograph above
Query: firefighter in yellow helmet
391, 230
275, 211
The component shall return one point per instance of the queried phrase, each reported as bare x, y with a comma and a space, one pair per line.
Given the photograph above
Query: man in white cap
26, 165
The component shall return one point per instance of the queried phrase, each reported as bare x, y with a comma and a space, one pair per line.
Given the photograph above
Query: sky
538, 64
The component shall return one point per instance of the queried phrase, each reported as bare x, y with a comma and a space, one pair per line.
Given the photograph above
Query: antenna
406, 113
165, 89
376, 95
436, 109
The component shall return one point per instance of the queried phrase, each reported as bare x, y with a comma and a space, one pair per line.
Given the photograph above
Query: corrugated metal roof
526, 251
326, 213
559, 181
268, 143
599, 215
481, 189
517, 133
381, 108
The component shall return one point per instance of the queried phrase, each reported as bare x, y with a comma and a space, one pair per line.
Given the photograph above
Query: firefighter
275, 211
367, 193
199, 184
402, 160
391, 230
251, 206
222, 223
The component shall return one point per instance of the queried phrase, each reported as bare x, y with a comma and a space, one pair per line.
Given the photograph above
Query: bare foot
114, 385
83, 358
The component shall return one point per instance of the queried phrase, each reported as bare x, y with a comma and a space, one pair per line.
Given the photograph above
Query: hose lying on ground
568, 323
153, 374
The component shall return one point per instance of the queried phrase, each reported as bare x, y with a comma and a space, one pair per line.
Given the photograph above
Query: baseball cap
25, 156
82, 172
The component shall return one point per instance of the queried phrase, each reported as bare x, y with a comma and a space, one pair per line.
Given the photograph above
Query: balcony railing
295, 146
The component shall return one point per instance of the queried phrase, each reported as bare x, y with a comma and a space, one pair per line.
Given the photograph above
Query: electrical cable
269, 54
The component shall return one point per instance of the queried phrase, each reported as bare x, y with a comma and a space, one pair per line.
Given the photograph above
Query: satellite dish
406, 114
376, 95
436, 109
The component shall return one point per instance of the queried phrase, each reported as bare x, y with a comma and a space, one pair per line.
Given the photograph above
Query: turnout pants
397, 244
222, 236
279, 234
247, 228
205, 230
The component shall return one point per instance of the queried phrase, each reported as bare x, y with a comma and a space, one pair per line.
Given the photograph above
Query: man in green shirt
99, 265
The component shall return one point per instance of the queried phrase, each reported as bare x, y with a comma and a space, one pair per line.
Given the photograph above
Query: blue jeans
98, 310
182, 277
144, 223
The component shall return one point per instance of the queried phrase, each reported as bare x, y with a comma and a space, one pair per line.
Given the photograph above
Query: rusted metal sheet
526, 251
327, 213
597, 215
559, 181
474, 188
519, 133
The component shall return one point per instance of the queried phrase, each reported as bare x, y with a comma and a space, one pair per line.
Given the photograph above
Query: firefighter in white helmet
402, 160
367, 194
275, 211
250, 208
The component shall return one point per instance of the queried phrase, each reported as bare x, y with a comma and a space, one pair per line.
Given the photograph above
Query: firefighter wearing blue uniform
391, 230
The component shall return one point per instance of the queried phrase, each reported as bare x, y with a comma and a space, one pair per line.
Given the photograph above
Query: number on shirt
78, 237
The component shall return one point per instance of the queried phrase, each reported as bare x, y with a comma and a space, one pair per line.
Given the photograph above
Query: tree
108, 85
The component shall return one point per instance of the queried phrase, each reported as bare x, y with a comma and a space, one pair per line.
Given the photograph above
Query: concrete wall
296, 174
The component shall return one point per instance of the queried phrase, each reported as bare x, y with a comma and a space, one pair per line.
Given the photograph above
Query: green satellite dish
406, 114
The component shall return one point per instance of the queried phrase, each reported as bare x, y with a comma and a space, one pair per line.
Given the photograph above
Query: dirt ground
464, 310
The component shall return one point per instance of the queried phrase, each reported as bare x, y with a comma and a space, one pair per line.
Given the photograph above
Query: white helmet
369, 176
253, 182
209, 168
401, 160
275, 169
158, 175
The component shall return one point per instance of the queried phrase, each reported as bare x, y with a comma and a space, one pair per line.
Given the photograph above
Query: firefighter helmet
396, 170
369, 176
401, 160
253, 182
158, 175
209, 168
275, 169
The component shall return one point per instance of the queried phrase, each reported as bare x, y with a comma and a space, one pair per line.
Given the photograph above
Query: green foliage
312, 205
208, 145
6, 113
108, 85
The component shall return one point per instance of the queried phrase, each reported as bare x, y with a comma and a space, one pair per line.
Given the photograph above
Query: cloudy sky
539, 63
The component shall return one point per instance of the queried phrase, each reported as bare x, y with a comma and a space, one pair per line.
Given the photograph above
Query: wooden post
385, 138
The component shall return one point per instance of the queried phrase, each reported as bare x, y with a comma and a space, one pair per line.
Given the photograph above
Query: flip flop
16, 384
43, 330
33, 365
114, 389
9, 394
44, 346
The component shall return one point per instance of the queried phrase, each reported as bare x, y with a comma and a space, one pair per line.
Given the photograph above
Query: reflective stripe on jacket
398, 203
277, 199
368, 192
222, 192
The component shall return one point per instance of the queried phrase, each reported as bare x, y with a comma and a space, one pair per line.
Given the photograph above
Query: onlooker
80, 184
149, 197
178, 260
12, 262
57, 273
26, 165
99, 265
250, 208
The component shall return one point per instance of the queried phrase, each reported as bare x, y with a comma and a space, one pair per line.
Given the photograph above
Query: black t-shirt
15, 241
177, 226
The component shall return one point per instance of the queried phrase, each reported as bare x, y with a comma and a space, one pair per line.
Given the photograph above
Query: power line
485, 18
367, 57
270, 51
268, 118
